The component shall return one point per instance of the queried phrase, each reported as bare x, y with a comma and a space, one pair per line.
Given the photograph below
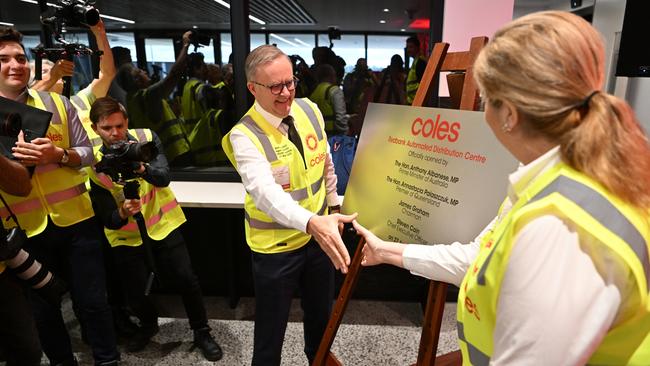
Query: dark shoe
203, 340
124, 327
70, 362
141, 339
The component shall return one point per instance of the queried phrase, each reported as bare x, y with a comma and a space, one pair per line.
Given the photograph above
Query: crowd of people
560, 276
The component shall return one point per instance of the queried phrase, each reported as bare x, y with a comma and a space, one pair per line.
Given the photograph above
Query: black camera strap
11, 213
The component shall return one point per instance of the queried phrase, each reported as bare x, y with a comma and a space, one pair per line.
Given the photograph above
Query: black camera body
73, 13
198, 39
121, 159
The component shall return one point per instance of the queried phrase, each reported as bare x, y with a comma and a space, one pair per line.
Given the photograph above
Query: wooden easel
440, 60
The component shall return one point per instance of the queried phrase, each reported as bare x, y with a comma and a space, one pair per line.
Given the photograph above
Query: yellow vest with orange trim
570, 195
82, 103
58, 191
322, 97
191, 109
305, 181
161, 211
412, 82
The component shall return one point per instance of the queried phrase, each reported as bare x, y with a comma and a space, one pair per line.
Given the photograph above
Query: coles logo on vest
55, 137
311, 141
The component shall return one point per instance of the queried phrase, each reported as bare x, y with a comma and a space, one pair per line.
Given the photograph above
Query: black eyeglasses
276, 89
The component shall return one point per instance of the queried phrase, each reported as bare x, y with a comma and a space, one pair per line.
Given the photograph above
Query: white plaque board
426, 175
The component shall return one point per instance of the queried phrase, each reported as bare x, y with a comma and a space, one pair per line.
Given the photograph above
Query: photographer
163, 217
57, 214
18, 334
148, 107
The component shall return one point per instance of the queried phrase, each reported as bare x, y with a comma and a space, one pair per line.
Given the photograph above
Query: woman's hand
377, 251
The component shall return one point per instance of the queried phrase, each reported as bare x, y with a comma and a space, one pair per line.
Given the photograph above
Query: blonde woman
560, 277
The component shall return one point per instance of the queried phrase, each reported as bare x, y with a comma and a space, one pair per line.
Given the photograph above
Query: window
257, 39
349, 47
294, 44
125, 40
31, 42
160, 56
382, 48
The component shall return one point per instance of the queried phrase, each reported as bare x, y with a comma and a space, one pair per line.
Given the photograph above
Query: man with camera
57, 214
160, 249
18, 334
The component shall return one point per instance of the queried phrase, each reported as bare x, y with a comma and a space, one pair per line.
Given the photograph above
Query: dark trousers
74, 253
174, 269
18, 336
277, 277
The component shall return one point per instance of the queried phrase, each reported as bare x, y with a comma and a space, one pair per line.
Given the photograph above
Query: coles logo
54, 137
439, 130
311, 141
317, 160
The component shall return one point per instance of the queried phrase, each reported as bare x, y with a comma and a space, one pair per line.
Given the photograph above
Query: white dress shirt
556, 303
257, 177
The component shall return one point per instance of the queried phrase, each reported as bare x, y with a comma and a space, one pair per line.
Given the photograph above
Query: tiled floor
372, 333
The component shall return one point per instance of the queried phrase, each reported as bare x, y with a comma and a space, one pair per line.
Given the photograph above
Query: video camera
123, 158
199, 39
55, 18
25, 267
72, 13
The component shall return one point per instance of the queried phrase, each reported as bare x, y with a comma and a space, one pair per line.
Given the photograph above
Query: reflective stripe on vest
619, 226
305, 183
162, 213
58, 192
600, 209
476, 357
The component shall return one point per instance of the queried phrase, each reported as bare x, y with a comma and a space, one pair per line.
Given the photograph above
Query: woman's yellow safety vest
571, 195
170, 129
412, 82
82, 103
305, 181
161, 211
321, 96
58, 191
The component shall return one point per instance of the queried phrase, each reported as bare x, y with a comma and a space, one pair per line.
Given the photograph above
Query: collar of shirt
270, 118
526, 174
22, 98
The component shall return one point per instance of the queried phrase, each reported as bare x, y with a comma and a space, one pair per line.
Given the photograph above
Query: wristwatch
65, 158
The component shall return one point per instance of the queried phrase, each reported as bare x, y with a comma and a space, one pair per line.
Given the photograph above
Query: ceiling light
302, 42
195, 26
262, 28
386, 10
123, 20
382, 21
123, 27
283, 39
7, 24
402, 30
227, 6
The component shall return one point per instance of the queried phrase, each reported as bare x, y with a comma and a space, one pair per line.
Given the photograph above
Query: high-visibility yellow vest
82, 102
170, 129
571, 195
58, 191
192, 111
412, 82
205, 139
306, 177
321, 96
162, 213
2, 266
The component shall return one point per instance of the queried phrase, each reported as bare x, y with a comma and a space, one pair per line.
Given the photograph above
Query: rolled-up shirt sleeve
78, 137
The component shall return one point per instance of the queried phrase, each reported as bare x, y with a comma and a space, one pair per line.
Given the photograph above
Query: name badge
281, 176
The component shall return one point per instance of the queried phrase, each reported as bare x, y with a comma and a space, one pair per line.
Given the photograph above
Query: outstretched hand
371, 249
325, 229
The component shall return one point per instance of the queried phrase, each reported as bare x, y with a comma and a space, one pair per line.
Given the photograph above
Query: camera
11, 124
198, 39
74, 13
25, 267
121, 159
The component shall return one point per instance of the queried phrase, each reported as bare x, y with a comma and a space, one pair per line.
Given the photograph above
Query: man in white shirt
280, 150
